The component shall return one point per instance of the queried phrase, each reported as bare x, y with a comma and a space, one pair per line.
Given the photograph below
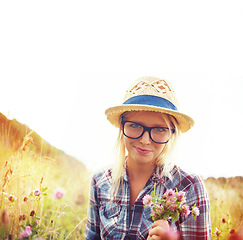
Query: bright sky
62, 63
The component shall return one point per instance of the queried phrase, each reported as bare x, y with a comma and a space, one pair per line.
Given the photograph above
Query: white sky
62, 63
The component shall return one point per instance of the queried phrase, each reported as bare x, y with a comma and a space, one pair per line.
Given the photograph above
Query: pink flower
181, 196
185, 210
37, 192
147, 200
11, 198
172, 206
158, 210
58, 193
170, 193
195, 211
26, 232
157, 178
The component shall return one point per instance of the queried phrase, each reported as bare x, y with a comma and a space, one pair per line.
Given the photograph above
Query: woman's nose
145, 138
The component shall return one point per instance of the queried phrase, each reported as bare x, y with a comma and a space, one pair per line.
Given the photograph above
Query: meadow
43, 199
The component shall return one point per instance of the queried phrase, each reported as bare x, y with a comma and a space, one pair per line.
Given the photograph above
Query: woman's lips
142, 151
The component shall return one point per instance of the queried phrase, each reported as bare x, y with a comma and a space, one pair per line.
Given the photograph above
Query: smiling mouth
142, 151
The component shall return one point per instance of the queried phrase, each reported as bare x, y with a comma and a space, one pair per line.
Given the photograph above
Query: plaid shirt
110, 220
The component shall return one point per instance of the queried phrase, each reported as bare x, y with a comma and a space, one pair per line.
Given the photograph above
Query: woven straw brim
113, 115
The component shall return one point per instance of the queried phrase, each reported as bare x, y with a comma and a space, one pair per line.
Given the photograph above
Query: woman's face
143, 150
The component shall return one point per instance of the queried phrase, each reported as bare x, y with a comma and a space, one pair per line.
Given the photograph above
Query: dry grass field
51, 196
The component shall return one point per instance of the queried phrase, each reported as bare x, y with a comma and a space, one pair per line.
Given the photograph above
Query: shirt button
132, 207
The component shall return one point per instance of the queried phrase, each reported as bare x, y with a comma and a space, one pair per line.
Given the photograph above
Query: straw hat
150, 94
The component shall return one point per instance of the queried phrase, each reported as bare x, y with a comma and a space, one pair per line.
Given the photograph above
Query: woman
149, 124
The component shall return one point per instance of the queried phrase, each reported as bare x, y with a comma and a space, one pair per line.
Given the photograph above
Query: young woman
149, 124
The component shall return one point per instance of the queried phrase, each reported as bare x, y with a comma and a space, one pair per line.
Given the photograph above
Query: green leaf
44, 189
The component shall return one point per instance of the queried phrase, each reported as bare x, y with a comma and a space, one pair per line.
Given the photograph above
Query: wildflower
58, 193
37, 192
172, 205
181, 196
195, 211
22, 217
32, 213
185, 210
147, 200
170, 193
26, 232
156, 210
223, 220
217, 232
11, 198
25, 199
156, 178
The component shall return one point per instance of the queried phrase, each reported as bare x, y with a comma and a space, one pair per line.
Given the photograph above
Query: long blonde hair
118, 170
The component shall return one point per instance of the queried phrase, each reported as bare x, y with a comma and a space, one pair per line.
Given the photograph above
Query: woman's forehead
146, 117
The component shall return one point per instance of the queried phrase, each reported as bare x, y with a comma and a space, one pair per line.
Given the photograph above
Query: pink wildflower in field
147, 200
11, 198
185, 210
26, 232
58, 193
217, 232
37, 192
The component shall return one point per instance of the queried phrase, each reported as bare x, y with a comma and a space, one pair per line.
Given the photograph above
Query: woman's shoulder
102, 176
185, 178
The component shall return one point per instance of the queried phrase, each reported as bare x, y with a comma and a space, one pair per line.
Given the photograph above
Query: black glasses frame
146, 129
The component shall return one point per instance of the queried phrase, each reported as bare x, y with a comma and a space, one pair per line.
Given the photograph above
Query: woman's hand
161, 230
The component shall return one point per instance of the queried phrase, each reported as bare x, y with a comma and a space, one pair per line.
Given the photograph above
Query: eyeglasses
135, 130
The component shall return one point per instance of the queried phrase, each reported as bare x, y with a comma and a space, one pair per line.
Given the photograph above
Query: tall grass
27, 185
226, 202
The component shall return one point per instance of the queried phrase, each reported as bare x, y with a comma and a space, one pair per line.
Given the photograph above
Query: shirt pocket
109, 213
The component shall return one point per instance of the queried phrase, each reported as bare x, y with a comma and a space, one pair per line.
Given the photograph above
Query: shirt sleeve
92, 228
201, 227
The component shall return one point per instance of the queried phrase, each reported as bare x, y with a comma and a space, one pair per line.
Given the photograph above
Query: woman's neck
138, 171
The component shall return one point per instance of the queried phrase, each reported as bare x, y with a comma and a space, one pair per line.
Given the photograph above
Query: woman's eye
160, 129
134, 125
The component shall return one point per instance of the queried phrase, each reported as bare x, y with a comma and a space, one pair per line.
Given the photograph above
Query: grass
226, 202
23, 172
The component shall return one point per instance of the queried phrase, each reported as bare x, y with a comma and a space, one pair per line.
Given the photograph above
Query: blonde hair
119, 167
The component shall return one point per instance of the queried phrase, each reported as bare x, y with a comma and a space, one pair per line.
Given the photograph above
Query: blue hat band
151, 101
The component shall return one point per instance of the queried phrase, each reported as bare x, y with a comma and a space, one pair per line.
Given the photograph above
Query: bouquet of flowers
170, 206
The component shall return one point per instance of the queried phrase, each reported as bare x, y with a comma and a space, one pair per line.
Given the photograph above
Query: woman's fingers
161, 230
162, 223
